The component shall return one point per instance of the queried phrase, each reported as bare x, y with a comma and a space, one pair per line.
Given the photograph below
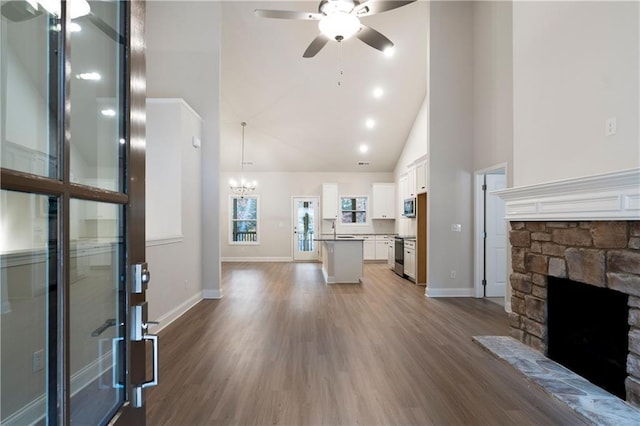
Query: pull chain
340, 73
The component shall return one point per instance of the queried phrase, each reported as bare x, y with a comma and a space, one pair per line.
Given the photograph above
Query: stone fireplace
575, 255
603, 254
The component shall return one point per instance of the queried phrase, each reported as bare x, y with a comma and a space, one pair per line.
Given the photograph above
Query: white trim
256, 259
607, 196
449, 292
177, 312
211, 294
164, 241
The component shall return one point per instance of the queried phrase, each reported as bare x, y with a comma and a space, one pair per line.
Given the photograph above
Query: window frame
231, 220
366, 210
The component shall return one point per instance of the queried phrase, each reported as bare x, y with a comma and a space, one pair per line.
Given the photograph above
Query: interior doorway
305, 224
491, 234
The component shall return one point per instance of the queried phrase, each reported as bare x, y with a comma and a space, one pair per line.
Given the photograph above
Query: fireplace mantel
608, 196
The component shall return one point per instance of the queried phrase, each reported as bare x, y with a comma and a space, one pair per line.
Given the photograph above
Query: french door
72, 312
305, 226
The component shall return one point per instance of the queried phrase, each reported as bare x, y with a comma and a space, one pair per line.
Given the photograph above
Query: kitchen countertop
330, 237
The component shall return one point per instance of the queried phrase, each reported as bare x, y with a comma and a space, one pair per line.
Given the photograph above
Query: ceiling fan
339, 20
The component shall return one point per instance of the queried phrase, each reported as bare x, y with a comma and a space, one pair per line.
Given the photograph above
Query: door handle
154, 380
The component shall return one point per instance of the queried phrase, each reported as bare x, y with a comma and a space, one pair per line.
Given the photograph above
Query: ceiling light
108, 112
92, 76
389, 51
378, 92
364, 148
243, 187
339, 26
122, 141
370, 123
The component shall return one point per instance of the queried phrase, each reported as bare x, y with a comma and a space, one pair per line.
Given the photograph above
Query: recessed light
92, 76
389, 52
122, 141
370, 123
364, 148
378, 92
108, 112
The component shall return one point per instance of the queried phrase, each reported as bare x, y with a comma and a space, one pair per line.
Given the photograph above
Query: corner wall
190, 52
450, 149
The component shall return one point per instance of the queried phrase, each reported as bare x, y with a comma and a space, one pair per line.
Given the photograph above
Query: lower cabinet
369, 247
391, 253
376, 247
410, 259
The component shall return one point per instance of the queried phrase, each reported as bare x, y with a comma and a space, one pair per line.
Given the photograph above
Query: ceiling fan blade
373, 38
18, 11
315, 46
288, 14
371, 7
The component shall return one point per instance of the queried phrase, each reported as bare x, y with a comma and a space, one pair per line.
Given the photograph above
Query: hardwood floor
281, 347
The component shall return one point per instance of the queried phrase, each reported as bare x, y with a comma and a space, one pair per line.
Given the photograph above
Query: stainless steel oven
399, 255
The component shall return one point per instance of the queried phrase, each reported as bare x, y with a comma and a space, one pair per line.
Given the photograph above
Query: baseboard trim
256, 259
211, 294
449, 292
177, 312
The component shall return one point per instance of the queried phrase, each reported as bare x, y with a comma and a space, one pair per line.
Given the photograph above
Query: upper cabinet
421, 177
411, 183
383, 201
330, 201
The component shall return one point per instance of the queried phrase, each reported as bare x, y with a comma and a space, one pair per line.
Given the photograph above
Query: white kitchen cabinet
402, 194
391, 253
410, 259
330, 201
369, 247
421, 177
383, 201
381, 247
411, 182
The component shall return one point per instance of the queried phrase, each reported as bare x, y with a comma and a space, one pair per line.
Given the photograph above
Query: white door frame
479, 228
313, 256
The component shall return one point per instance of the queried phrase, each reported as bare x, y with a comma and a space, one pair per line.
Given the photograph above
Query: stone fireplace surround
585, 229
599, 253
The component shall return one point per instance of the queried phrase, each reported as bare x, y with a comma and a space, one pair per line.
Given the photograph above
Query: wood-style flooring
283, 348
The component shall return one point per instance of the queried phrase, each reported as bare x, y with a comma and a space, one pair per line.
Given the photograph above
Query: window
244, 220
353, 209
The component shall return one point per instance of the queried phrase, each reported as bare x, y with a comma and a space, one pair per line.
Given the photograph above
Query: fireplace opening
587, 330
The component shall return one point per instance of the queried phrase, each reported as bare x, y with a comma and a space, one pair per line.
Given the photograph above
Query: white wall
575, 64
175, 263
275, 191
183, 60
492, 86
450, 148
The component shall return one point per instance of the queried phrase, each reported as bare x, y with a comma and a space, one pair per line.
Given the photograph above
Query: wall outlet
452, 274
37, 361
610, 126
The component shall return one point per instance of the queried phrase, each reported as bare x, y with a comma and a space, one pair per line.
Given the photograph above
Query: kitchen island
342, 259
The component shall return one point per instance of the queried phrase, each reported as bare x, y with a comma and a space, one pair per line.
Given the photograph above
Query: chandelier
243, 187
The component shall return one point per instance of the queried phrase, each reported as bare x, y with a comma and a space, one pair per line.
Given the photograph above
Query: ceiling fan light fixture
339, 26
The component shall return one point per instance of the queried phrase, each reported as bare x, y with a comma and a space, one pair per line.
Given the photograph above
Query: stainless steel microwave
409, 207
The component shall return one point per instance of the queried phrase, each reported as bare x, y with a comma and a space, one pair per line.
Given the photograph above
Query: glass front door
305, 224
67, 212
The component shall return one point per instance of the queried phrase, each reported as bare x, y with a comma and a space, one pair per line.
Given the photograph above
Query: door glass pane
27, 88
96, 112
305, 212
28, 288
96, 311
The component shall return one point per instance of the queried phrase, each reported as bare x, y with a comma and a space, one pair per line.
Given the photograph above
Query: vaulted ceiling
309, 114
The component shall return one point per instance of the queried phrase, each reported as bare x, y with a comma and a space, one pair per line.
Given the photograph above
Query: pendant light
243, 187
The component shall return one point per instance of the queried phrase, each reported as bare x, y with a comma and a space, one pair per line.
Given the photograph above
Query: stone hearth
598, 253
